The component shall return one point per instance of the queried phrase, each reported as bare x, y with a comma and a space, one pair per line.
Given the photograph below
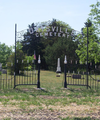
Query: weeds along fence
76, 75
26, 75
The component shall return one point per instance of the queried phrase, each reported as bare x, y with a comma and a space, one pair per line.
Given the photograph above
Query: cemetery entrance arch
48, 31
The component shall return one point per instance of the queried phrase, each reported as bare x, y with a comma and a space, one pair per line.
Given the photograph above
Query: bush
19, 65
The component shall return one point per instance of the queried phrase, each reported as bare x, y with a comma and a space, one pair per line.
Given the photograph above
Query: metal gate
75, 74
27, 76
24, 74
9, 80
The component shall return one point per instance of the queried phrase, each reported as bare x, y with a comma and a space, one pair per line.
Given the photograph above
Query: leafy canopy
5, 52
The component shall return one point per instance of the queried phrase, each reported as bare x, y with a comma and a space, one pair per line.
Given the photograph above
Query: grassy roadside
52, 102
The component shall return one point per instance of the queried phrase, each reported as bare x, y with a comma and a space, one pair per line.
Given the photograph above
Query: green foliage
93, 46
19, 66
59, 49
29, 60
19, 58
93, 37
95, 15
23, 62
19, 45
5, 51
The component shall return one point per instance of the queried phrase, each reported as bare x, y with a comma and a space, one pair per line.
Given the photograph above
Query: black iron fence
26, 76
6, 79
78, 76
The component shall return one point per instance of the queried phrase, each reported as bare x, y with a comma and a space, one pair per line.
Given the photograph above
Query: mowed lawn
51, 102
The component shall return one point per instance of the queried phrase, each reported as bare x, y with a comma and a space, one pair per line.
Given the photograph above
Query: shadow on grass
82, 90
76, 118
33, 91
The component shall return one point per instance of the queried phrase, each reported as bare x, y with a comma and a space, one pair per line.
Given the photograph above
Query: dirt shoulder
50, 112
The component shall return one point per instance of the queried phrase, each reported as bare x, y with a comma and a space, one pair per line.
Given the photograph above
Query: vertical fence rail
38, 82
65, 62
15, 55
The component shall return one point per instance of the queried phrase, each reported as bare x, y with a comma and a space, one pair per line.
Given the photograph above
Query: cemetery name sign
52, 31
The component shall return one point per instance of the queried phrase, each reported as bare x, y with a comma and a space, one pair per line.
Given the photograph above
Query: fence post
65, 62
87, 24
38, 82
87, 57
15, 55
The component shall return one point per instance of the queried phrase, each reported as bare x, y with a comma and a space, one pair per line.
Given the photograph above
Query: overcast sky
25, 12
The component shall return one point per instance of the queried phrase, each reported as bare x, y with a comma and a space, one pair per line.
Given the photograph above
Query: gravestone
4, 71
58, 66
76, 76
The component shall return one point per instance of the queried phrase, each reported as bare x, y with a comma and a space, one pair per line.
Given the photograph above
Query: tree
5, 52
94, 16
93, 37
23, 62
29, 60
46, 45
19, 65
59, 49
93, 46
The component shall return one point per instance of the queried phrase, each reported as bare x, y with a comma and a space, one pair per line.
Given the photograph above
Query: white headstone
58, 66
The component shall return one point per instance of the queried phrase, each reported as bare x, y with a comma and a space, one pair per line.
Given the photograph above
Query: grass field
52, 102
